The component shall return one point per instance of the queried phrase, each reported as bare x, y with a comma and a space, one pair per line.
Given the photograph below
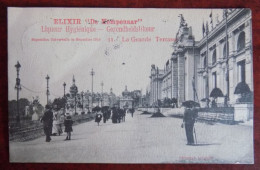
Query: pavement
141, 139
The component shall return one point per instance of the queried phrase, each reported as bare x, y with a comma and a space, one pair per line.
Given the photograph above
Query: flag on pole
211, 19
207, 28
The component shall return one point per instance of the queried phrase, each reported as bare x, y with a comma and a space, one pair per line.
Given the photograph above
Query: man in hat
190, 115
47, 120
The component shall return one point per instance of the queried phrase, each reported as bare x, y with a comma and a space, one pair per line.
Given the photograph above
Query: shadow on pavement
206, 144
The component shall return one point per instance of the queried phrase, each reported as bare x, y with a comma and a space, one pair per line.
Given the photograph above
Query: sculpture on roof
182, 21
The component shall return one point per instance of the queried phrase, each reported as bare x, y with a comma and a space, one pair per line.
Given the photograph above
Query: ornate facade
221, 59
84, 99
126, 101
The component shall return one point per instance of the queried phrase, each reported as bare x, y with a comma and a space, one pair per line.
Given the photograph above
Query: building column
233, 79
174, 78
248, 54
181, 83
200, 86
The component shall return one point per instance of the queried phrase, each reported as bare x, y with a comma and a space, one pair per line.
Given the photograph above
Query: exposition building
222, 59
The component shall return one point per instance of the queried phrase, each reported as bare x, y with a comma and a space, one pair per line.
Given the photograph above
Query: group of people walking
116, 114
52, 123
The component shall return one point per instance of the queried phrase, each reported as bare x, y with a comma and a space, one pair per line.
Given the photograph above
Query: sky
62, 60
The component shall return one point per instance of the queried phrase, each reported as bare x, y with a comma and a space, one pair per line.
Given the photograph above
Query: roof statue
182, 21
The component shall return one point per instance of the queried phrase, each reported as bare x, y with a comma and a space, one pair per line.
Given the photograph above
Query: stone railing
33, 129
219, 114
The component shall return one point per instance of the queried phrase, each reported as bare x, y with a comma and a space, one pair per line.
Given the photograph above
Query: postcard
114, 85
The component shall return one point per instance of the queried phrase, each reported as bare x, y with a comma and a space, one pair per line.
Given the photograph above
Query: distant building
136, 96
126, 101
156, 78
84, 99
72, 97
145, 100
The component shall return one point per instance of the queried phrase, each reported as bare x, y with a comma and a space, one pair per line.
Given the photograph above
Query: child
68, 125
98, 117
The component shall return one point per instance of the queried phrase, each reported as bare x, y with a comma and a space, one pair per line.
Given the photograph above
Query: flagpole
203, 28
193, 84
207, 68
227, 76
211, 20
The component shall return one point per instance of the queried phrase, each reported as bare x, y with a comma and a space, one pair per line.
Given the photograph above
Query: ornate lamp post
227, 74
64, 85
207, 64
18, 88
87, 94
47, 92
82, 95
92, 73
102, 84
153, 73
157, 86
98, 98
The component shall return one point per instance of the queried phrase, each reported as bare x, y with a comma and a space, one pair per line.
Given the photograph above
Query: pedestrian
55, 124
56, 128
104, 116
68, 126
119, 115
213, 104
190, 115
132, 111
47, 120
123, 113
114, 115
61, 120
98, 117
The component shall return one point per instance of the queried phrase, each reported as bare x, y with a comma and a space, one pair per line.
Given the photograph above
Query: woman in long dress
56, 128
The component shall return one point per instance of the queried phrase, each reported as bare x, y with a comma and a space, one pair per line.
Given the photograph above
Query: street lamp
227, 74
153, 84
64, 85
82, 95
98, 98
157, 84
18, 88
47, 92
92, 73
102, 84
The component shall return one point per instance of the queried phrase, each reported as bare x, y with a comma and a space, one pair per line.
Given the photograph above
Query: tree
243, 89
59, 103
12, 106
215, 93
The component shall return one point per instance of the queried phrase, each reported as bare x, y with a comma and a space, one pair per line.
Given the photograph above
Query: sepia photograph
121, 85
